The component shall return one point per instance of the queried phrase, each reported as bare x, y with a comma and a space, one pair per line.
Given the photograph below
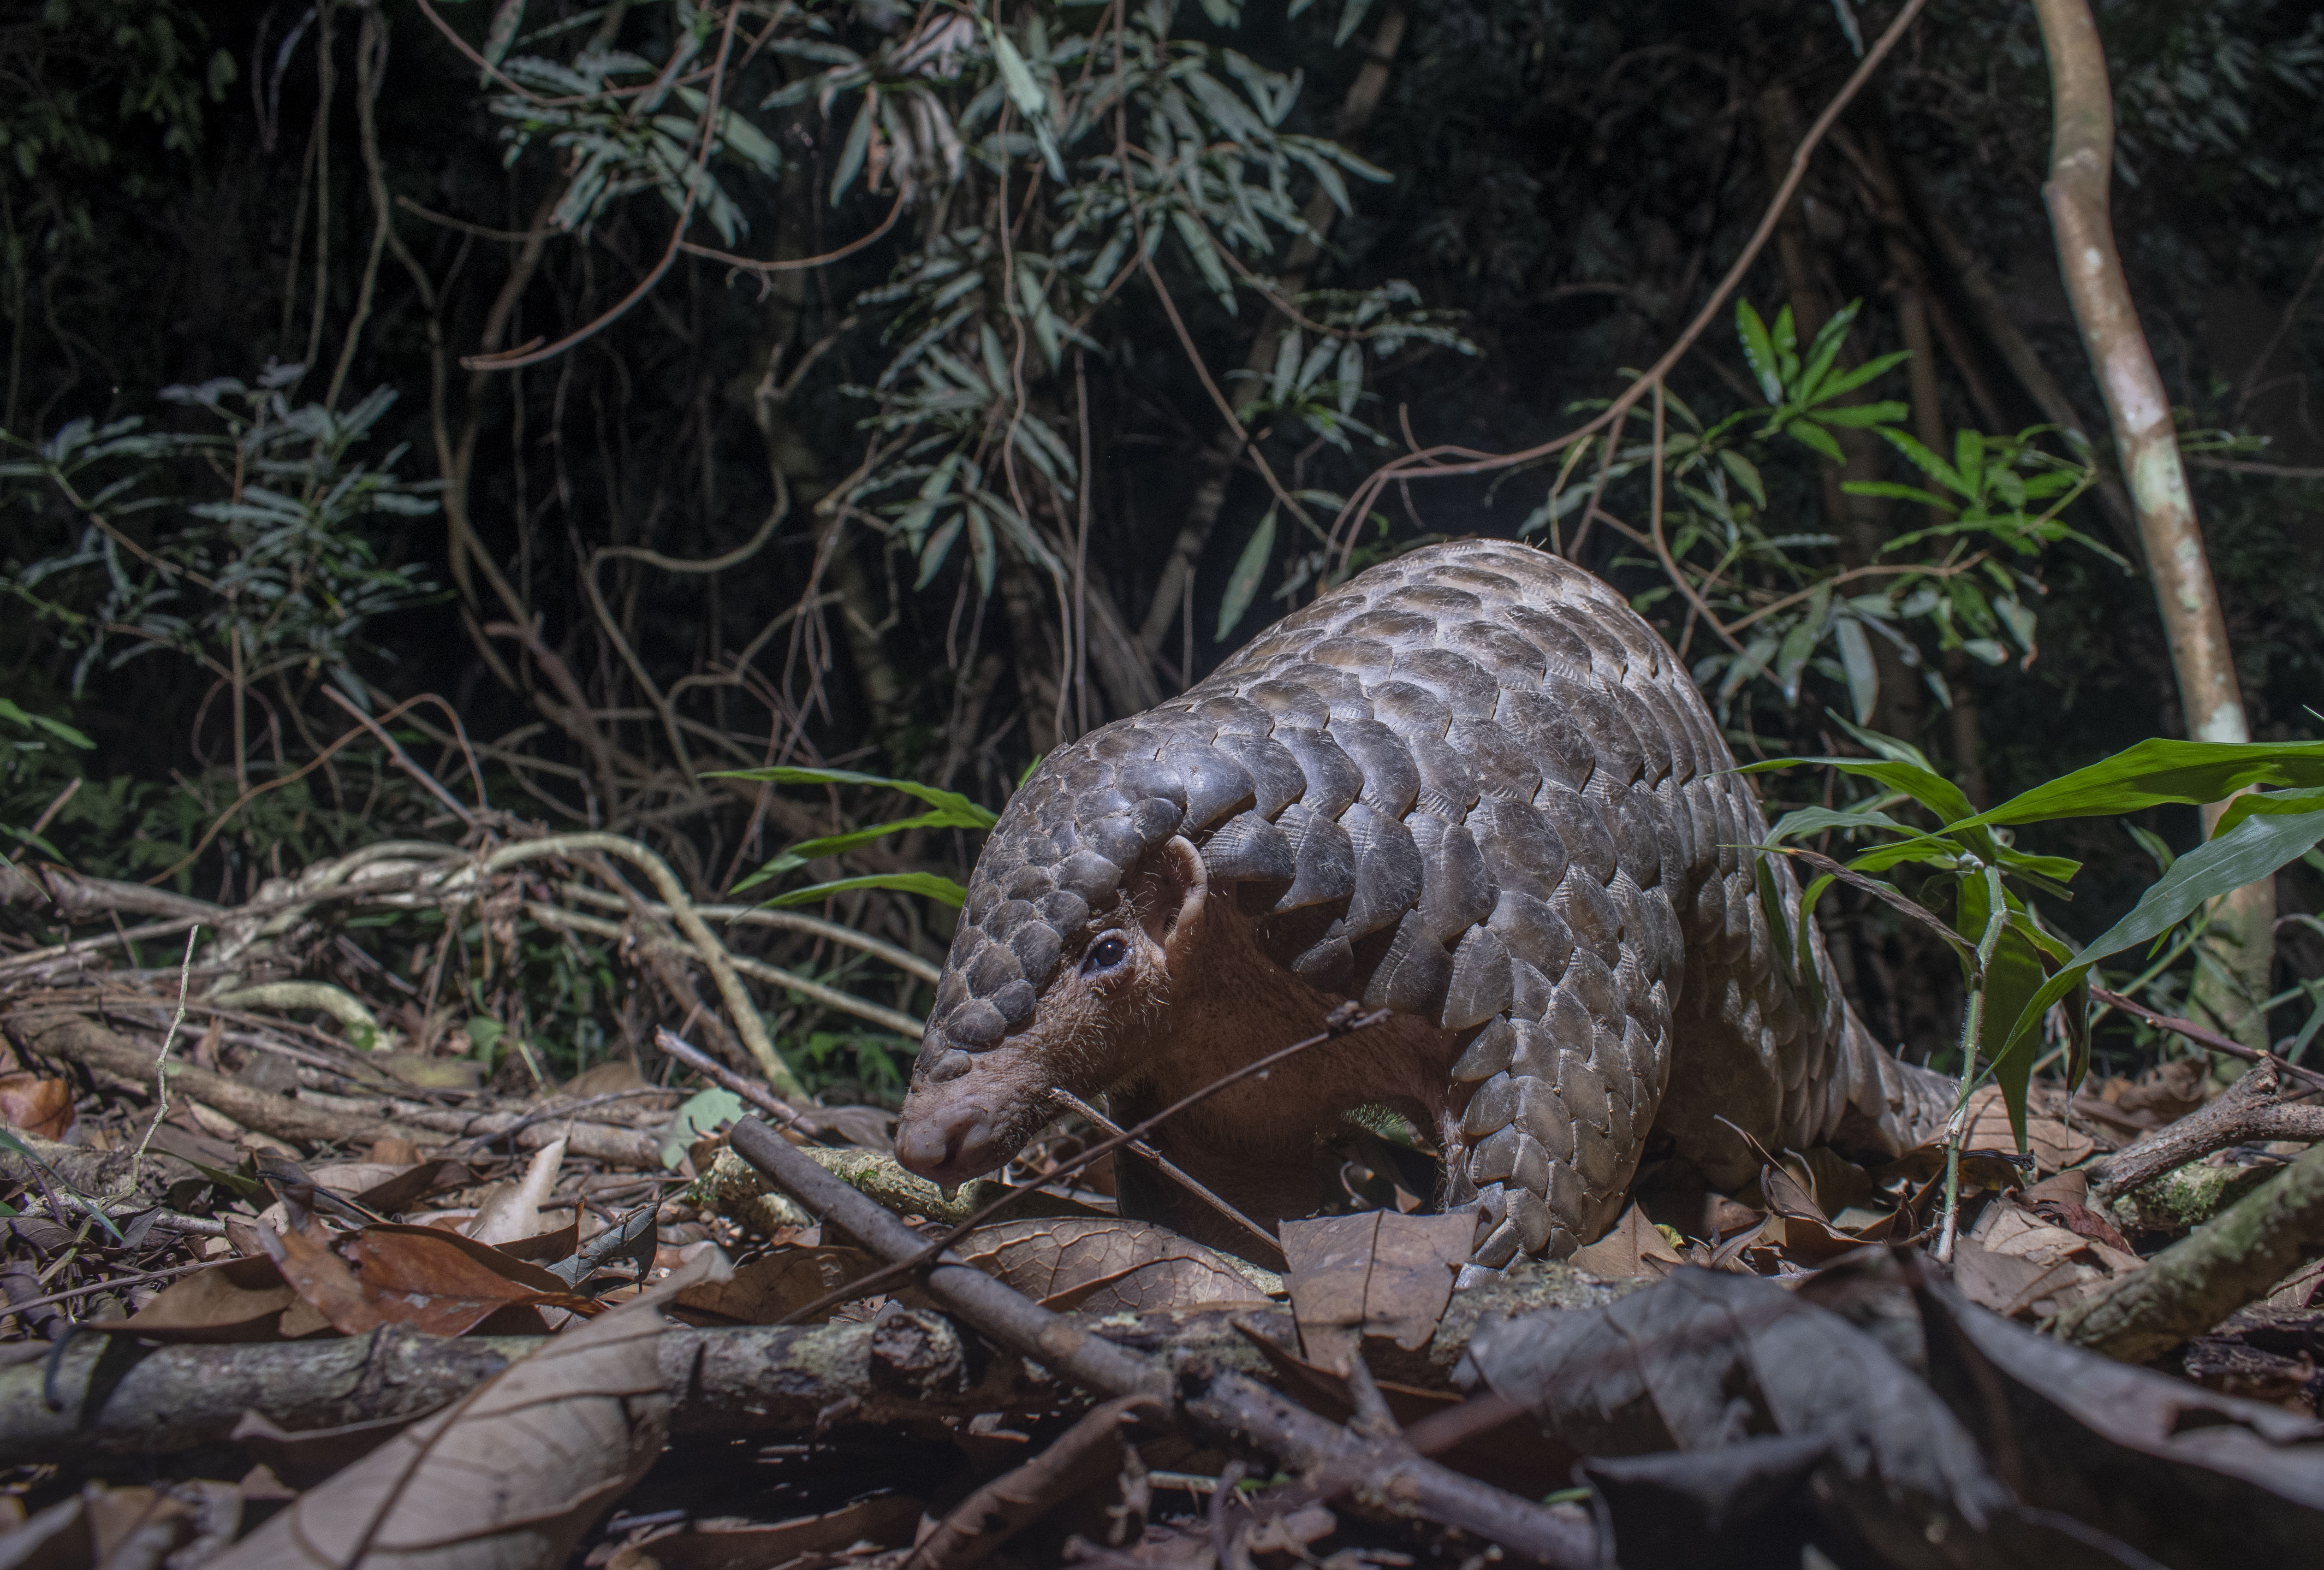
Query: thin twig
1170, 1169
169, 1039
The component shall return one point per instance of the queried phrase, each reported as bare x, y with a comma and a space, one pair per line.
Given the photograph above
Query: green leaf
503, 31
935, 885
1929, 463
2253, 802
807, 851
1895, 492
1023, 90
1823, 351
1746, 475
1860, 416
2158, 771
1921, 782
2253, 850
1816, 438
1758, 351
1351, 16
859, 143
1871, 370
1249, 568
960, 812
697, 1117
2013, 973
1802, 821
1856, 659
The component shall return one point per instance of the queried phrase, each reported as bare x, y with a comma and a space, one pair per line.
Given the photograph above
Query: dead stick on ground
1226, 1405
2247, 1114
2230, 1261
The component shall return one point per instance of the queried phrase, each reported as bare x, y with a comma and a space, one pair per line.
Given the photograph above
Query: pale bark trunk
2078, 193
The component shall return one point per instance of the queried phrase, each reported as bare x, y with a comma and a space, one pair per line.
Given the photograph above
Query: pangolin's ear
1171, 888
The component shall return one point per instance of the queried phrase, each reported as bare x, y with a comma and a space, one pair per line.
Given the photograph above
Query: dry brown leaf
1096, 1264
242, 1299
1633, 1248
2053, 1145
36, 1104
1378, 1272
512, 1210
769, 1289
322, 1278
511, 1475
447, 1284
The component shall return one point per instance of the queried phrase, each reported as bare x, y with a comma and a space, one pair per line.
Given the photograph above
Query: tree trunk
2078, 195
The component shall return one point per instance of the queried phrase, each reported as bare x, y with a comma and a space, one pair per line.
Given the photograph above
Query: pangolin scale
1470, 786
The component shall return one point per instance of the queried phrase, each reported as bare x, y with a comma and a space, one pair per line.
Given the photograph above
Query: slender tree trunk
1215, 467
2078, 193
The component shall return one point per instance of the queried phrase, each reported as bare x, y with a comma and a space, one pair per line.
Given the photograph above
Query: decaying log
2230, 1261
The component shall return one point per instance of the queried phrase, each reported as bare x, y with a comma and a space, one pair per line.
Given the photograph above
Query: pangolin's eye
1108, 952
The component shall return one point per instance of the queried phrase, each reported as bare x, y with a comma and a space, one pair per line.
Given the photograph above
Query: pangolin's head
1079, 922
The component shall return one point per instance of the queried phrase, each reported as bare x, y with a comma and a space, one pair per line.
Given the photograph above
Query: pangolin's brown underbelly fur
1499, 804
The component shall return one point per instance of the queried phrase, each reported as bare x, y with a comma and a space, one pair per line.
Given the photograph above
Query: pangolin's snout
947, 1140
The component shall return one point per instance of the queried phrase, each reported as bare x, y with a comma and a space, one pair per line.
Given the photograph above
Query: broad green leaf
2251, 851
961, 813
935, 885
698, 1117
1249, 568
2257, 802
2013, 972
2158, 771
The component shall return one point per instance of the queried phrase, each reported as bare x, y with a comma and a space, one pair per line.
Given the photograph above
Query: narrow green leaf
1856, 659
967, 813
1758, 351
859, 143
1816, 438
1802, 822
1746, 475
1016, 76
1848, 381
1249, 568
935, 885
1351, 16
1823, 351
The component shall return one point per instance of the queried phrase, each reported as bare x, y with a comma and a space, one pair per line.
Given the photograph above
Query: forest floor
334, 1295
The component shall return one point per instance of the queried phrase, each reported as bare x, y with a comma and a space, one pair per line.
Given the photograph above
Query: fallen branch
85, 1041
2249, 1112
2229, 1262
121, 1398
1227, 1405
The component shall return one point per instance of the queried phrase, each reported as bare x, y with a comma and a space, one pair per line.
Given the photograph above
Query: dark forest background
948, 482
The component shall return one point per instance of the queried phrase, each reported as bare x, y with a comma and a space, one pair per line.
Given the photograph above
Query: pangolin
1471, 786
